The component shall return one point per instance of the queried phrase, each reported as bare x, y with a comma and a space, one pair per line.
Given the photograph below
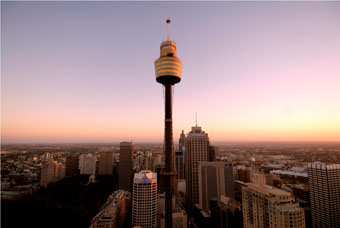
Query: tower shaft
168, 155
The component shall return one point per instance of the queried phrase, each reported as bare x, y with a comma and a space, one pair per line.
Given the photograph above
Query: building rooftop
319, 165
289, 173
145, 176
268, 190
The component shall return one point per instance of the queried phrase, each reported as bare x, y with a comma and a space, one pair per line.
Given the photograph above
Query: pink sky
254, 71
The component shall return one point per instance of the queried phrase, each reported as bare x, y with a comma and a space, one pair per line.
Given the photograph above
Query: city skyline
254, 71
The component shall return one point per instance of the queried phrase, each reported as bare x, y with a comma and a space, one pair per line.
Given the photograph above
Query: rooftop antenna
196, 118
168, 22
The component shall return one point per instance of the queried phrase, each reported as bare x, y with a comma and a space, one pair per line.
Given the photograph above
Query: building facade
324, 181
72, 163
106, 163
265, 206
144, 199
51, 172
215, 179
47, 173
196, 150
87, 164
226, 213
125, 169
114, 213
180, 164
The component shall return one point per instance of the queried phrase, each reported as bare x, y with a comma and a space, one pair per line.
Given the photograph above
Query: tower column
168, 155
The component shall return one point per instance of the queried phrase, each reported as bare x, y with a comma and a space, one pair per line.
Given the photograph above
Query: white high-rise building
87, 164
265, 206
324, 181
197, 150
144, 199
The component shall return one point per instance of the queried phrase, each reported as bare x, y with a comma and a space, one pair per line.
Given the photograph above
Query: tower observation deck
168, 66
168, 69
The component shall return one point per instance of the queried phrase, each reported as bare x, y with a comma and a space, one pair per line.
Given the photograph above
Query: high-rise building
215, 179
125, 169
197, 149
87, 164
180, 164
106, 163
265, 206
113, 214
72, 162
324, 182
214, 151
59, 171
144, 199
150, 162
47, 173
243, 174
181, 141
51, 172
182, 149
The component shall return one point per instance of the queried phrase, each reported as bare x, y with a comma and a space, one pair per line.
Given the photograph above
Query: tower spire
196, 118
168, 22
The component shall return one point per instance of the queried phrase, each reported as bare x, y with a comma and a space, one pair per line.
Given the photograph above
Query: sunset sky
253, 71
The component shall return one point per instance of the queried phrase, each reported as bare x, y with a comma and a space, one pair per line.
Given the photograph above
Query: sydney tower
168, 72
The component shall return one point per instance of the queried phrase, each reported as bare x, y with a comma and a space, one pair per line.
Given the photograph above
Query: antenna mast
196, 118
168, 22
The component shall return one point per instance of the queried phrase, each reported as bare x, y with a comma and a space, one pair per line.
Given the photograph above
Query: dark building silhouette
226, 213
125, 169
214, 151
160, 168
180, 164
72, 162
243, 175
106, 163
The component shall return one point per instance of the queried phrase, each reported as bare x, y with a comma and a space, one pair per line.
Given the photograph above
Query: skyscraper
180, 157
47, 173
59, 171
182, 141
144, 199
180, 164
168, 69
106, 163
324, 181
51, 172
216, 179
125, 169
214, 152
265, 206
87, 164
197, 150
72, 162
